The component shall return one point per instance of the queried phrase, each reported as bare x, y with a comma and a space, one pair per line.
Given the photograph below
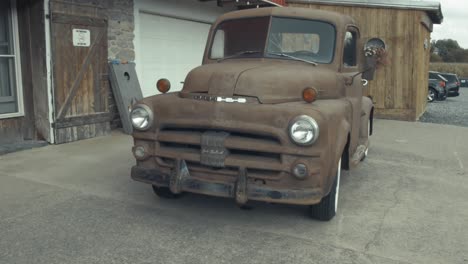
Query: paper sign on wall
81, 37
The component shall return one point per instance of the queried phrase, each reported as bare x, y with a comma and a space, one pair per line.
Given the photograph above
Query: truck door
353, 91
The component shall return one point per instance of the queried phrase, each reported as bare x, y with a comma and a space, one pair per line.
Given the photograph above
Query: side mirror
369, 72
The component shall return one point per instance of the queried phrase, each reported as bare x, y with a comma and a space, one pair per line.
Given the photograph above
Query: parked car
270, 115
437, 87
452, 85
463, 82
436, 91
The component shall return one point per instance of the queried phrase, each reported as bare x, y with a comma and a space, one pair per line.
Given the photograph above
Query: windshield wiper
245, 52
291, 57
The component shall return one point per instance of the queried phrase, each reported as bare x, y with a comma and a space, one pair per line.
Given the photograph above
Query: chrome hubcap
368, 135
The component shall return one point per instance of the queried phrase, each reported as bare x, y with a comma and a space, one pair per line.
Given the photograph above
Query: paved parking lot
75, 203
453, 111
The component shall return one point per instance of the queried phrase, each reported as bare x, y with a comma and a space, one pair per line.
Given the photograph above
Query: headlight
304, 130
142, 117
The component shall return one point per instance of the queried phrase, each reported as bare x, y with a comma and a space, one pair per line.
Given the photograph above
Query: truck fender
339, 152
367, 114
342, 141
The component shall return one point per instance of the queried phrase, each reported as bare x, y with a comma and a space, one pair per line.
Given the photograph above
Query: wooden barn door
79, 50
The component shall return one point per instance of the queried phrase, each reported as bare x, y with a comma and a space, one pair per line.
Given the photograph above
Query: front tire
368, 138
432, 95
326, 209
165, 192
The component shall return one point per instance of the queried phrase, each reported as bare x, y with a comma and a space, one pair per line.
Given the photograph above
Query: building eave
273, 3
432, 8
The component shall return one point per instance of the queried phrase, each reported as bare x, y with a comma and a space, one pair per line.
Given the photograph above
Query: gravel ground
453, 111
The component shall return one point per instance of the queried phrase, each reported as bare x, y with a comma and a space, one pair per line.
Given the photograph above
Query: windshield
289, 38
240, 37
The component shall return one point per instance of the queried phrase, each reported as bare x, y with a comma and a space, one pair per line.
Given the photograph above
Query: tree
433, 46
461, 55
435, 58
449, 51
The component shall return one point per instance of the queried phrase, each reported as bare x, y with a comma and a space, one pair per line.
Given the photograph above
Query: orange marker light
163, 85
309, 94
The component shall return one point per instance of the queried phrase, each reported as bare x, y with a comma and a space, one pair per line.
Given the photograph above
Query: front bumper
179, 180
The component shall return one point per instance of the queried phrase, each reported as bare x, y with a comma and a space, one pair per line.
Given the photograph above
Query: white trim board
49, 68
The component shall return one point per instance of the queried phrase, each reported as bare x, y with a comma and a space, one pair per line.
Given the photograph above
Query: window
349, 54
241, 35
433, 75
294, 42
450, 77
10, 83
309, 40
217, 51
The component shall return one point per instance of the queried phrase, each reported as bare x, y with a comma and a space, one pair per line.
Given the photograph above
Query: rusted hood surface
271, 81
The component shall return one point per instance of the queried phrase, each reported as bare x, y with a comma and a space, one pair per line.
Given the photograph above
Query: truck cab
273, 114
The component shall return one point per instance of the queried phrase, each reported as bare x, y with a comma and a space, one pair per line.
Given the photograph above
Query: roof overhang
275, 2
242, 4
432, 8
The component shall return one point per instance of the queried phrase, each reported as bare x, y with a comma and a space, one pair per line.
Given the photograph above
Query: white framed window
11, 89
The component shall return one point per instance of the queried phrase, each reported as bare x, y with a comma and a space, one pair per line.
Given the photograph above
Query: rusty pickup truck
273, 114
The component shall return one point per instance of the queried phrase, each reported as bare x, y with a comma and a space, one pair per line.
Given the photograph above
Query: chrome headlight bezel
148, 116
313, 126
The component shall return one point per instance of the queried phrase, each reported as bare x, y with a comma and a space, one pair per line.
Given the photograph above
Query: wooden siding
32, 53
399, 89
34, 65
80, 73
11, 130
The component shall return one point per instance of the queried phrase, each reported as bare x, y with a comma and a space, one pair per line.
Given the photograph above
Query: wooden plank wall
41, 94
32, 52
400, 89
11, 130
81, 100
423, 67
32, 34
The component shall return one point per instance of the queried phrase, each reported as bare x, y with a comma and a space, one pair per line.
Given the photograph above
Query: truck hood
271, 81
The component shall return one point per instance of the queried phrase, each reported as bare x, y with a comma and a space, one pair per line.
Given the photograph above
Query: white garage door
170, 48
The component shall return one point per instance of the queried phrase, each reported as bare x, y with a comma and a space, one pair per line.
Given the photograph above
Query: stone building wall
120, 34
120, 30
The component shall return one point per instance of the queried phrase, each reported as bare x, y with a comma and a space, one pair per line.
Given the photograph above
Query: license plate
213, 152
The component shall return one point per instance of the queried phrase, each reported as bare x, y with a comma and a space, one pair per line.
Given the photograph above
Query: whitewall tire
328, 206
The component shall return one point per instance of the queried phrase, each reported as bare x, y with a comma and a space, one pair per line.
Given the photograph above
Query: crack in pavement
399, 163
328, 245
460, 163
377, 234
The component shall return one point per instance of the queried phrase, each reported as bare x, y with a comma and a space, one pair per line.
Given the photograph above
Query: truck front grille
260, 154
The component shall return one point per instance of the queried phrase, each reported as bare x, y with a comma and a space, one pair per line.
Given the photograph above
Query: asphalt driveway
75, 203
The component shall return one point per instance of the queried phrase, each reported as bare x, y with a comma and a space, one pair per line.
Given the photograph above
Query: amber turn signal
309, 94
163, 85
